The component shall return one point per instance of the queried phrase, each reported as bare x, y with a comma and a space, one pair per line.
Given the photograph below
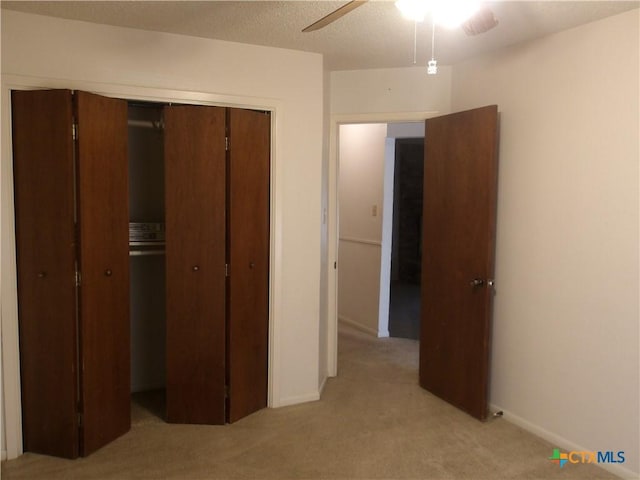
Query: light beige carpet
373, 422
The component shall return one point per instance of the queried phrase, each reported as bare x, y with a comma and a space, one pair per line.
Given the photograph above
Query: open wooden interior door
459, 222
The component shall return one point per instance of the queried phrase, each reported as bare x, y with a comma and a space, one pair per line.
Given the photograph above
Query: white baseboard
559, 441
322, 384
310, 397
358, 326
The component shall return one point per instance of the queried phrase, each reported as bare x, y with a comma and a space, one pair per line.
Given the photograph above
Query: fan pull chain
433, 38
432, 66
415, 40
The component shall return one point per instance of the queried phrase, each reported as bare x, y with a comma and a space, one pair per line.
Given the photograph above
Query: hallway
404, 310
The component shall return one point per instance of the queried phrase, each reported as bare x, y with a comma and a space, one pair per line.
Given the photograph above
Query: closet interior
147, 272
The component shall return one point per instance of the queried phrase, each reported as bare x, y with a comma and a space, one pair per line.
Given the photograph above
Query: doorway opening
380, 212
460, 199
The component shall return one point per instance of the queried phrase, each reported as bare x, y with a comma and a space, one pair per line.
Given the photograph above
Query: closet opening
147, 261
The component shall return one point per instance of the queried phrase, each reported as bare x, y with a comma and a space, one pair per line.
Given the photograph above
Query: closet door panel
195, 256
248, 319
46, 252
102, 178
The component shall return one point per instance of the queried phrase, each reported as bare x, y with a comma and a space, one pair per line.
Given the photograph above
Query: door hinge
78, 278
80, 419
226, 143
335, 265
226, 269
226, 391
74, 131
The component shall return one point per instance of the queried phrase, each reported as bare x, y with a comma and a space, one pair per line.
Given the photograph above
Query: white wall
390, 90
565, 338
360, 189
61, 53
406, 130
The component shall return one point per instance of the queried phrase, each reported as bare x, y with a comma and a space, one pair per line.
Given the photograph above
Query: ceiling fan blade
335, 15
482, 21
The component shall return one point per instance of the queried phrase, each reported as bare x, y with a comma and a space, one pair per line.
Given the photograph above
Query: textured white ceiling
372, 36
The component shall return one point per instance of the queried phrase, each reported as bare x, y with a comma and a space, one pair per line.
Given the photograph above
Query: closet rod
140, 253
155, 124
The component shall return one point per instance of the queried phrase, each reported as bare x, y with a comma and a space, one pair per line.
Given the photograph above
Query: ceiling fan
481, 21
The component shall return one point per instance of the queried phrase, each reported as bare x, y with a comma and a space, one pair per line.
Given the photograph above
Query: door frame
331, 320
12, 415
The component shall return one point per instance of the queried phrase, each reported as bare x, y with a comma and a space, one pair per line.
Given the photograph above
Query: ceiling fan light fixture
480, 22
414, 10
452, 14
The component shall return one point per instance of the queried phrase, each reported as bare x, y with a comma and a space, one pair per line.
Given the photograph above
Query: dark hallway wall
407, 210
406, 255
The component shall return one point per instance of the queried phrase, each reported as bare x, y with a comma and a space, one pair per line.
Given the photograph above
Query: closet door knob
42, 274
195, 268
108, 272
251, 265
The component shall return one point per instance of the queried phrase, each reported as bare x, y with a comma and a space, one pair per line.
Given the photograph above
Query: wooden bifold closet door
46, 255
195, 179
73, 269
103, 219
217, 254
248, 297
72, 220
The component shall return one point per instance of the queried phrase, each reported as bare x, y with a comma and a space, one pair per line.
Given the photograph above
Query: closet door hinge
226, 269
74, 131
226, 391
80, 419
78, 278
226, 144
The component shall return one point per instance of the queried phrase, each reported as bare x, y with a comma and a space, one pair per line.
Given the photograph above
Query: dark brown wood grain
248, 316
195, 263
102, 178
459, 221
46, 251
